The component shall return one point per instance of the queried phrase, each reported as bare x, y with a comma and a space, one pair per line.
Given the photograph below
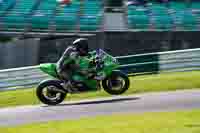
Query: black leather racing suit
67, 63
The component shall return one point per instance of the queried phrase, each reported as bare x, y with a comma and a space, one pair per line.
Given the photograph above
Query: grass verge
139, 84
163, 122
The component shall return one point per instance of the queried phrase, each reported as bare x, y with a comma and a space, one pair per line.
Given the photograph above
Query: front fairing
110, 63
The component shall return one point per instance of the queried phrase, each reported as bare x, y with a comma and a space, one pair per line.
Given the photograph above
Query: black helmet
81, 45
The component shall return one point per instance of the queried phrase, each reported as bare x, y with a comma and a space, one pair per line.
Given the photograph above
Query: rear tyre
51, 96
113, 81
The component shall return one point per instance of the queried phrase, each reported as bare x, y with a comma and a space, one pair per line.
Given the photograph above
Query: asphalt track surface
138, 103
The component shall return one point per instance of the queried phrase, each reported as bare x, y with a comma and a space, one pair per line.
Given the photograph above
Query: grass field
139, 84
164, 122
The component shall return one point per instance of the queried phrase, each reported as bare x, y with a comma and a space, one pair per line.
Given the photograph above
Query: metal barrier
172, 61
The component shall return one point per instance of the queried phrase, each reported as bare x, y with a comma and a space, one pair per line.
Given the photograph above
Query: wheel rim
116, 84
50, 93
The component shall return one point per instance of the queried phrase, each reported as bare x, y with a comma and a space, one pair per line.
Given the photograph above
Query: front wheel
117, 83
50, 92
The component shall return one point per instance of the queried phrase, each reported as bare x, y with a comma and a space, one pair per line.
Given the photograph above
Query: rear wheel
116, 84
50, 92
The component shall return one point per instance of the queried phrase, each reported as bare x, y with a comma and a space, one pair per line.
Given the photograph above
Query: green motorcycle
104, 71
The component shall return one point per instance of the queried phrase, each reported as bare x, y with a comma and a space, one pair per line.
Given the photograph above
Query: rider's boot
69, 86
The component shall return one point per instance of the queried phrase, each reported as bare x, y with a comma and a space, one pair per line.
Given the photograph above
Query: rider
66, 65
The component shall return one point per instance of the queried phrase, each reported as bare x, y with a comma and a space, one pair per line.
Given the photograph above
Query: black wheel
116, 84
47, 92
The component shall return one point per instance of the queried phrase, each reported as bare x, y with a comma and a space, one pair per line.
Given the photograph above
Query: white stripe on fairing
179, 60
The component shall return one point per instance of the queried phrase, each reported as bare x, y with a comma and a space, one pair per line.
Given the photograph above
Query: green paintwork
84, 63
49, 68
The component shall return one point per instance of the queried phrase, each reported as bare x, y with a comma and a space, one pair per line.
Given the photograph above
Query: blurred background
38, 31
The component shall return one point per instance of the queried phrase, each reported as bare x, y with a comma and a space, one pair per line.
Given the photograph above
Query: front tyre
48, 92
117, 83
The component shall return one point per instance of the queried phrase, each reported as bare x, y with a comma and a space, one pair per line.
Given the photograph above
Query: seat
160, 16
91, 17
183, 17
43, 15
66, 17
138, 17
5, 5
17, 16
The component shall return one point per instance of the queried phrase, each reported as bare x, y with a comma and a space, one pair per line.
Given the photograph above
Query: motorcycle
104, 71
